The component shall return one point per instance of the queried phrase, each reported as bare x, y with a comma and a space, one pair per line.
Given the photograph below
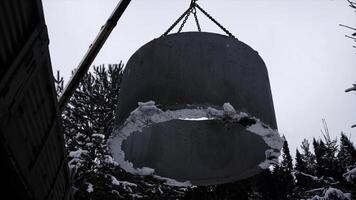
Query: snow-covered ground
147, 114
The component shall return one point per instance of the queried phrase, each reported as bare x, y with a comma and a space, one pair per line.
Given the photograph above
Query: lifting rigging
104, 33
92, 52
192, 105
193, 9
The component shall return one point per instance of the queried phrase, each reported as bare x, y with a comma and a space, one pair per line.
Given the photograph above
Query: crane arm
91, 53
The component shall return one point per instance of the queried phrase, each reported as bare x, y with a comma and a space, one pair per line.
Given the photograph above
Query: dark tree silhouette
283, 174
88, 121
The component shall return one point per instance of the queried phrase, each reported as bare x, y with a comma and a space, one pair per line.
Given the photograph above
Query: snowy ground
147, 114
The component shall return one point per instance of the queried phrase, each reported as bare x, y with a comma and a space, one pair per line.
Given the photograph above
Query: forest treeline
324, 168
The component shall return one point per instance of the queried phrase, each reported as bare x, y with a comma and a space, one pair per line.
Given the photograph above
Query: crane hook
193, 3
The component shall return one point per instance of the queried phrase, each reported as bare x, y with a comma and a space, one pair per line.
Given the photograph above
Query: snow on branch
332, 193
353, 88
350, 176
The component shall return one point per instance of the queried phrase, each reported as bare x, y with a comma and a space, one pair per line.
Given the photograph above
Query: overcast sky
309, 60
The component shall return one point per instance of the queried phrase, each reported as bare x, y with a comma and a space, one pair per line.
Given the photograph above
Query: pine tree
287, 161
300, 167
347, 153
305, 169
308, 157
326, 161
330, 159
88, 121
283, 174
320, 152
347, 161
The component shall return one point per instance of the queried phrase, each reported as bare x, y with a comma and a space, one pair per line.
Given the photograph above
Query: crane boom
92, 52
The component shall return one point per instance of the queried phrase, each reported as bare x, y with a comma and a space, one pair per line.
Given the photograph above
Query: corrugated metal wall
31, 136
18, 20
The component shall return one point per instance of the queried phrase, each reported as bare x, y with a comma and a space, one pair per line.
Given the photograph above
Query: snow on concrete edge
147, 114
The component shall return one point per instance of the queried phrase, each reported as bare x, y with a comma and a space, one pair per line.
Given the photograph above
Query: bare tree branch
352, 4
350, 37
353, 88
347, 27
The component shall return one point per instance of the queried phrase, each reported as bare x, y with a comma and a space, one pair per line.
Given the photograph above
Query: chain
176, 22
186, 14
185, 20
196, 18
216, 22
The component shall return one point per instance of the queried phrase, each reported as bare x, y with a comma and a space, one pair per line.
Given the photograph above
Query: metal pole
92, 52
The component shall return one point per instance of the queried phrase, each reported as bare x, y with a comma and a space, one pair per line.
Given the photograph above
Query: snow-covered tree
305, 169
347, 164
331, 193
283, 174
88, 121
347, 153
326, 156
308, 157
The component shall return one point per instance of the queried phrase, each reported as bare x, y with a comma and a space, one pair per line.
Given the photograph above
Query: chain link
216, 22
196, 19
176, 22
185, 20
186, 14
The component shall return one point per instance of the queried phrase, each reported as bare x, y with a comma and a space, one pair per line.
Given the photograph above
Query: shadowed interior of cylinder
203, 152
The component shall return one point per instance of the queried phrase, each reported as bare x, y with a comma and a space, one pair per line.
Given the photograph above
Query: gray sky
309, 60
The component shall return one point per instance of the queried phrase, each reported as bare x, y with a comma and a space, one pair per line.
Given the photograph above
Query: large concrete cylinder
194, 70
